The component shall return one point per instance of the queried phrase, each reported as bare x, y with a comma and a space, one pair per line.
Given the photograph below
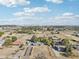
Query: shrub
7, 42
14, 38
1, 33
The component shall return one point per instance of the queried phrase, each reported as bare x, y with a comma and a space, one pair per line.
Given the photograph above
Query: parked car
60, 48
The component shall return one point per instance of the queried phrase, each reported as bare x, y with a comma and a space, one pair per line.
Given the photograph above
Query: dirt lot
7, 51
42, 51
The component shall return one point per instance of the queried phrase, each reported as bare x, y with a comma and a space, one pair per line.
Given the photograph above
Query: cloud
23, 14
56, 1
32, 11
67, 16
9, 3
36, 9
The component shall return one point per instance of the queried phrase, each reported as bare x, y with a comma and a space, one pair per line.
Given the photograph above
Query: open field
42, 50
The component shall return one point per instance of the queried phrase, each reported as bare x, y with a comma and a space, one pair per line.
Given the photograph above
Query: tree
33, 38
68, 47
68, 50
46, 41
1, 33
65, 41
7, 42
14, 38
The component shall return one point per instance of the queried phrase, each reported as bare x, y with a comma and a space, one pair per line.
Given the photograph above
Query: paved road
28, 52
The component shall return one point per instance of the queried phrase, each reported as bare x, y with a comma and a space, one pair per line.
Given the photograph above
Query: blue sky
39, 12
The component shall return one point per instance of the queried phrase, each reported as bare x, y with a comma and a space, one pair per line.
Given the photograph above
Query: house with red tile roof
17, 42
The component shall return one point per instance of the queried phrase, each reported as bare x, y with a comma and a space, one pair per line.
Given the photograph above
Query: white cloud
23, 14
56, 1
37, 9
10, 3
67, 16
32, 11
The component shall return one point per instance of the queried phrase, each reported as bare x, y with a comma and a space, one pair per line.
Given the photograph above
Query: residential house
1, 42
17, 43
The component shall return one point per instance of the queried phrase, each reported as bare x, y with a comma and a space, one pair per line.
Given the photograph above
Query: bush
66, 41
1, 33
69, 50
7, 42
14, 38
43, 40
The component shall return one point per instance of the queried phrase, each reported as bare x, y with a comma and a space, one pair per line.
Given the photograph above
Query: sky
39, 12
